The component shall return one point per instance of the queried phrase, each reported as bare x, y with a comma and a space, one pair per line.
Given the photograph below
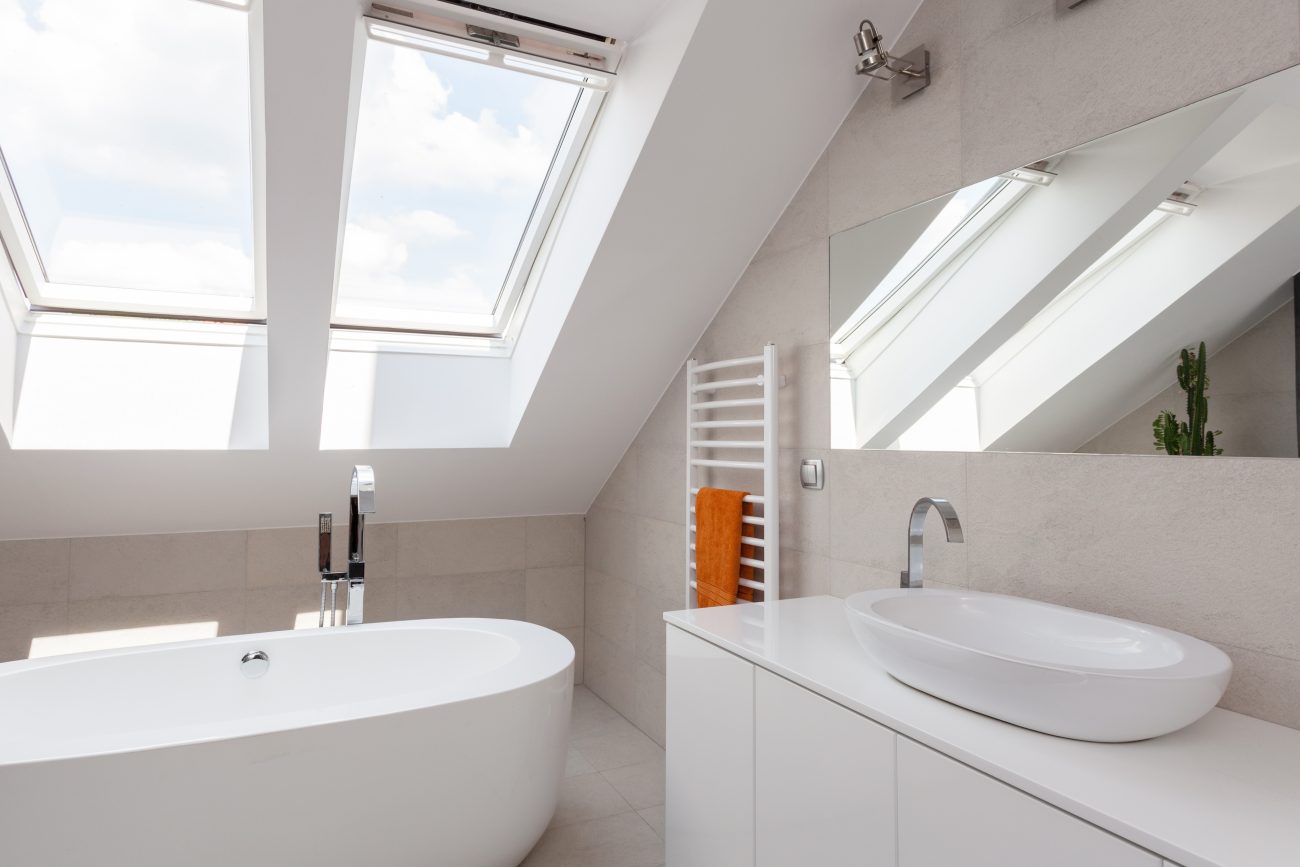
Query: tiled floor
611, 810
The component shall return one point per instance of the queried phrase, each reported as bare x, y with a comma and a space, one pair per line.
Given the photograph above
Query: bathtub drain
254, 664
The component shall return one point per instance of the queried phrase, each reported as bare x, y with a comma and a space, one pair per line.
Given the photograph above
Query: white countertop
1224, 792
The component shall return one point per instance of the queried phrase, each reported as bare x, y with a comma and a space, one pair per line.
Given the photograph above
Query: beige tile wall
1205, 546
259, 580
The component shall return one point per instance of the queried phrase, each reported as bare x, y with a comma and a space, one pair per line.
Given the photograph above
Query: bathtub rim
532, 666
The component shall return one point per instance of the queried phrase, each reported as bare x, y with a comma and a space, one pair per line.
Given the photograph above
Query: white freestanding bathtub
428, 742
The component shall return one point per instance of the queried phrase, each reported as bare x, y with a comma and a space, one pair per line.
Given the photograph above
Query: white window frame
40, 294
495, 330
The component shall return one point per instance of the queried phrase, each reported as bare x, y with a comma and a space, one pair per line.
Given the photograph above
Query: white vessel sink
1044, 667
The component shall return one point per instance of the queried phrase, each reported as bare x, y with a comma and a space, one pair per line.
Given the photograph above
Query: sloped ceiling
740, 98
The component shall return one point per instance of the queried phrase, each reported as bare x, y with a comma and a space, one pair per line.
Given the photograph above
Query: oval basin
1045, 667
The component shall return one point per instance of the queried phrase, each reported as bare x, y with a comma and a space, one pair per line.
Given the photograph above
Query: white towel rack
706, 396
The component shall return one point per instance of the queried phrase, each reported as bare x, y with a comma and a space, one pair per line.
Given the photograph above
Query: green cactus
1189, 437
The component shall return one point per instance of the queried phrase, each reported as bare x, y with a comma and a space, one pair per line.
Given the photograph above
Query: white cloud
375, 248
376, 251
127, 127
198, 267
149, 91
409, 134
423, 225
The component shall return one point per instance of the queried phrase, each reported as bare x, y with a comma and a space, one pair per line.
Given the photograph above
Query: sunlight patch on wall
102, 386
308, 619
113, 639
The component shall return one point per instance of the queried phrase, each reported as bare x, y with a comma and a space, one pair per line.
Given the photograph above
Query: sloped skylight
462, 152
126, 130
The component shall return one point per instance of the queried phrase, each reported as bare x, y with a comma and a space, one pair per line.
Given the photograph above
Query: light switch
811, 475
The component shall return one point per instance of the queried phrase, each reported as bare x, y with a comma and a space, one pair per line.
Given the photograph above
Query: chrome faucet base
355, 608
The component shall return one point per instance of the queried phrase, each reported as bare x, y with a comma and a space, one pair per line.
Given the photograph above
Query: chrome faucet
361, 502
912, 578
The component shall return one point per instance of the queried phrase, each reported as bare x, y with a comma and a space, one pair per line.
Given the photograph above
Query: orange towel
717, 546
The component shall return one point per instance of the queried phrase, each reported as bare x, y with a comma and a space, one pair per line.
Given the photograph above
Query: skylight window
462, 153
126, 130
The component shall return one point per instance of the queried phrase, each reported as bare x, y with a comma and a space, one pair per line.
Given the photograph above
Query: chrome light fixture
910, 73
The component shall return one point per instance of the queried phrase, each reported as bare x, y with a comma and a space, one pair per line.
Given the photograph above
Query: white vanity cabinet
823, 781
764, 773
949, 813
788, 745
709, 816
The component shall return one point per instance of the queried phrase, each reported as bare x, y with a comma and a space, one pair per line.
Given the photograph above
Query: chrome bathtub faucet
361, 502
912, 578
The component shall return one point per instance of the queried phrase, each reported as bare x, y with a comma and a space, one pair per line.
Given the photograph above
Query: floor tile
589, 796
575, 764
606, 752
591, 717
654, 817
595, 825
641, 785
625, 840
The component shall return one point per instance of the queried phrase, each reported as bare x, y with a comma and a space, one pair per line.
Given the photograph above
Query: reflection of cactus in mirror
1189, 437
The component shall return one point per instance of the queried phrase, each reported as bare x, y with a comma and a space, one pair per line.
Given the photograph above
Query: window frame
498, 329
39, 294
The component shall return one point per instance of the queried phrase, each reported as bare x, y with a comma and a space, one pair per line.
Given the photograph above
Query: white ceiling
679, 228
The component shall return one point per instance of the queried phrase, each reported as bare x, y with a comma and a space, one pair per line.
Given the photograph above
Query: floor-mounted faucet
361, 502
912, 578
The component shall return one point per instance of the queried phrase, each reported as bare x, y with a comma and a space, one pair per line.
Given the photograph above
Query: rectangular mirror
1048, 309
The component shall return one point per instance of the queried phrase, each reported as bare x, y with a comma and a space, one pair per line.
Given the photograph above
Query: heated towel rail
731, 437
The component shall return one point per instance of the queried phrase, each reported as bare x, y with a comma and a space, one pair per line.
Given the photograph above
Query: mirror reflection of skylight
126, 129
1060, 305
969, 212
459, 157
959, 209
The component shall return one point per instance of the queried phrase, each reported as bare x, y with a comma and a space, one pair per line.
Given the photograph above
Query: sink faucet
361, 502
912, 578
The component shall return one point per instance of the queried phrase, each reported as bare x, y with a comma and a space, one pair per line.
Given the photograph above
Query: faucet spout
914, 576
361, 502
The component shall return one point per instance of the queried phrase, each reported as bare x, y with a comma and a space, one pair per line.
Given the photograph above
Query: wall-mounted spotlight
910, 73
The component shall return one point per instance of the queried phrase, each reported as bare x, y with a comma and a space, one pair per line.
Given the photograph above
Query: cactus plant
1189, 437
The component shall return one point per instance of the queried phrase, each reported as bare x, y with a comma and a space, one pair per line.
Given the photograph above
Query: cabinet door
949, 814
824, 781
709, 815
